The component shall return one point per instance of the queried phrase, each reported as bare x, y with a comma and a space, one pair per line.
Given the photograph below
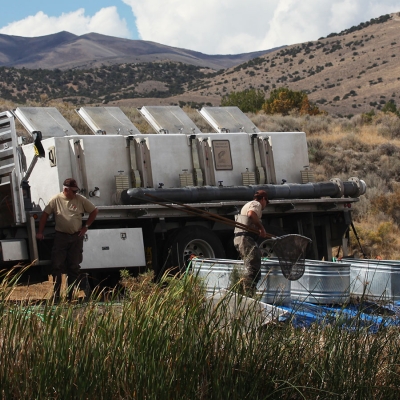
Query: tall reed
167, 341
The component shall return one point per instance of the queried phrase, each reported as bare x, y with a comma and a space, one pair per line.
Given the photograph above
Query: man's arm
92, 217
257, 222
42, 224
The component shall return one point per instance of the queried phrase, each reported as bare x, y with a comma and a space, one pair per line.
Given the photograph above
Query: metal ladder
10, 171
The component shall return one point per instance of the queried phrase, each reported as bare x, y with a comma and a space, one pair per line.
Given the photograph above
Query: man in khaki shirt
66, 256
246, 243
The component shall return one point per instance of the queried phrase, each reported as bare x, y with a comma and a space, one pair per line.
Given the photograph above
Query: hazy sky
208, 26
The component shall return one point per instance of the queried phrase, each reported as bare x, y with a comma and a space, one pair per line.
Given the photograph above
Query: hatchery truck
117, 166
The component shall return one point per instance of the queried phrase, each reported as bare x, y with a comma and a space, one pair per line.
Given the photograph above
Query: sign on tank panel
170, 155
232, 154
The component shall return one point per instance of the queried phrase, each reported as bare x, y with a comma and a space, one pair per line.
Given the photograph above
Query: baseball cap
71, 183
261, 194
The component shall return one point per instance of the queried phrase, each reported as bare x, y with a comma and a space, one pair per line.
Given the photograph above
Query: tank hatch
169, 119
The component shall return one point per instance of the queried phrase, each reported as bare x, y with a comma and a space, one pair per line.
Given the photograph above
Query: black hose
241, 193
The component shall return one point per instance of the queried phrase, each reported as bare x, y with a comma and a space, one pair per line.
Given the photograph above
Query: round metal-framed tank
272, 288
322, 283
375, 279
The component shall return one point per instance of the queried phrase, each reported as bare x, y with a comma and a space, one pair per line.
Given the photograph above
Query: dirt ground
35, 292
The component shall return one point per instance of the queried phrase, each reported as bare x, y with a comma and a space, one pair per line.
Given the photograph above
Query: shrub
390, 106
283, 101
388, 203
317, 124
388, 149
388, 125
377, 241
368, 116
316, 150
249, 100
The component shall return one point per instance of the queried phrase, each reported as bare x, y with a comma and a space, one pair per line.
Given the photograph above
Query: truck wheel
266, 247
195, 241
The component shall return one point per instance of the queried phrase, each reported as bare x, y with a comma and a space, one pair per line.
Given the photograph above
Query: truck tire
266, 247
195, 241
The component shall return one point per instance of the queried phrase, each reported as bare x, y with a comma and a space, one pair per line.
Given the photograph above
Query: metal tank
323, 283
375, 279
265, 157
219, 274
93, 160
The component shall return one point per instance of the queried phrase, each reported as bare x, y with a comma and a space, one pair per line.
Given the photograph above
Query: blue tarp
369, 315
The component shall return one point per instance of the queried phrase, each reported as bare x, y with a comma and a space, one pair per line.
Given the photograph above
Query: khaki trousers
251, 256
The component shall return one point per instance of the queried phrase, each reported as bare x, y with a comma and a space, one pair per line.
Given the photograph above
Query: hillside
99, 85
346, 73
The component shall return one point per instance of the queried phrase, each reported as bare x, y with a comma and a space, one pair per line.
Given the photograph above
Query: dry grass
34, 292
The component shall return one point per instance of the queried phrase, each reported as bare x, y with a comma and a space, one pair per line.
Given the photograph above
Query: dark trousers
66, 257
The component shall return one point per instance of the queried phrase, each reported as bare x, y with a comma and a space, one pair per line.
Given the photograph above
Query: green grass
166, 341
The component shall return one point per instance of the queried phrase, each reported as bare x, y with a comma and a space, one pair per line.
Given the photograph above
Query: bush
277, 123
390, 106
317, 124
249, 100
388, 125
388, 203
377, 241
316, 150
283, 101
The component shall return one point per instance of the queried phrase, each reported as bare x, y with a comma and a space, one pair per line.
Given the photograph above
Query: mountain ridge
64, 50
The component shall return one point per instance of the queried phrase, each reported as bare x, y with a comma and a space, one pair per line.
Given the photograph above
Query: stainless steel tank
375, 279
219, 274
323, 283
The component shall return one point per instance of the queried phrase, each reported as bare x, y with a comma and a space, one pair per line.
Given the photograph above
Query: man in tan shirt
66, 256
246, 243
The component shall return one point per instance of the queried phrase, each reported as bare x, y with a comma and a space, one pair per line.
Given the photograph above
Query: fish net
291, 252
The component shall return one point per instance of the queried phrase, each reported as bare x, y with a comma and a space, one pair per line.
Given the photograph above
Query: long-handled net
291, 252
290, 249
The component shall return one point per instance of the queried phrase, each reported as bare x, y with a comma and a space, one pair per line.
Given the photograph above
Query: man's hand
263, 233
257, 223
83, 230
39, 236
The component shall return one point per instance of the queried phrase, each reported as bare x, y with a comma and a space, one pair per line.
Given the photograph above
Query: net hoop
291, 253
